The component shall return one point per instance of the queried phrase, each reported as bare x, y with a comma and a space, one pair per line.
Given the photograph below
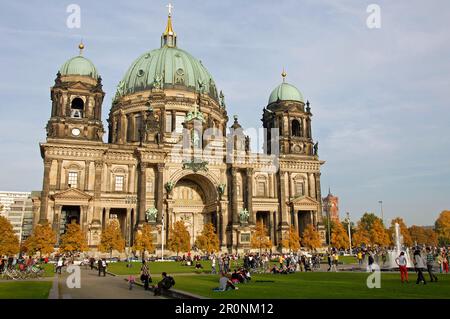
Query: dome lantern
169, 37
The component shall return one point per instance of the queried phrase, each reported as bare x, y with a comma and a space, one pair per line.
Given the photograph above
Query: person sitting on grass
274, 270
198, 266
225, 283
166, 283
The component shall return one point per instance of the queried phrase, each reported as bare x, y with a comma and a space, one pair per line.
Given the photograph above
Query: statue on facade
150, 214
244, 215
157, 82
247, 143
222, 99
316, 149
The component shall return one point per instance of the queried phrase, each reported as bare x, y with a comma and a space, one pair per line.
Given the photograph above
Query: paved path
95, 287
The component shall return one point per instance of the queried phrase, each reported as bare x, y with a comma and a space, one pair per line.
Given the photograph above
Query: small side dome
285, 92
79, 65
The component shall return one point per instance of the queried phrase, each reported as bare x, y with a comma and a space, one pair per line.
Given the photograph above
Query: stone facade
170, 151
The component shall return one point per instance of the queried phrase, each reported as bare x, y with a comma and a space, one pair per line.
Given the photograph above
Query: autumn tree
144, 240
292, 242
311, 237
361, 236
42, 240
179, 238
260, 238
423, 236
404, 232
339, 236
111, 238
74, 240
442, 227
208, 241
9, 243
378, 234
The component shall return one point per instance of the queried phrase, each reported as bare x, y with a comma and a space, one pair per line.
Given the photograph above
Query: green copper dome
167, 67
285, 92
79, 65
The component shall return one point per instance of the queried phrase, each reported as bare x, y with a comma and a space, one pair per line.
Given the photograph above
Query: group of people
423, 261
166, 282
21, 263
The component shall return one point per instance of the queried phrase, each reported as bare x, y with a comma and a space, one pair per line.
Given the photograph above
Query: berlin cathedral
171, 155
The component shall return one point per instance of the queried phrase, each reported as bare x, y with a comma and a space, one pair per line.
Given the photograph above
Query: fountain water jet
393, 254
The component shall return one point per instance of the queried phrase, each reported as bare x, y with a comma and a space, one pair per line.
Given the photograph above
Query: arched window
76, 108
296, 128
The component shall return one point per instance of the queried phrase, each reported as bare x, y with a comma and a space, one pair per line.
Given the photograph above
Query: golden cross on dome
170, 7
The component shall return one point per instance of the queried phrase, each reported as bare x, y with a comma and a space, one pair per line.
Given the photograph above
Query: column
271, 227
296, 219
58, 175
108, 178
128, 229
282, 199
86, 175
142, 192
309, 185
97, 190
43, 218
130, 178
107, 210
249, 178
83, 218
318, 193
275, 228
56, 221
160, 191
234, 197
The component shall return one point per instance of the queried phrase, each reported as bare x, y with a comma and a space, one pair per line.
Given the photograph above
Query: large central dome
165, 68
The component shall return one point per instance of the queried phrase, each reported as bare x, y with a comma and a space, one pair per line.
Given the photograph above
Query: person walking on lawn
419, 265
145, 274
430, 264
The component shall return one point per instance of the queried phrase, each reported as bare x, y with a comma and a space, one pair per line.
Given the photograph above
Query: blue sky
379, 96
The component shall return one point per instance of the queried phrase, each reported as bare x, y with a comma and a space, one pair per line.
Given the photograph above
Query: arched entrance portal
195, 203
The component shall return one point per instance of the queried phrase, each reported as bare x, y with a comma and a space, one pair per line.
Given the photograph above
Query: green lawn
156, 267
25, 289
317, 285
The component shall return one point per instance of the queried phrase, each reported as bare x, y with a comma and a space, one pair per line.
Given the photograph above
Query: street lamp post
349, 232
381, 206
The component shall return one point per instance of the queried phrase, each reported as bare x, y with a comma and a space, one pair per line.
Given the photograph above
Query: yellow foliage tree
179, 238
208, 241
292, 242
9, 243
111, 238
144, 240
74, 240
423, 236
378, 234
339, 236
42, 240
442, 227
260, 239
403, 231
311, 237
361, 236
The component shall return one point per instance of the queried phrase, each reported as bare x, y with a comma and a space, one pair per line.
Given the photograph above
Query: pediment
79, 86
304, 201
72, 194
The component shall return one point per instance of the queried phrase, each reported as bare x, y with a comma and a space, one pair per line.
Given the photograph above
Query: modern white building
17, 207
